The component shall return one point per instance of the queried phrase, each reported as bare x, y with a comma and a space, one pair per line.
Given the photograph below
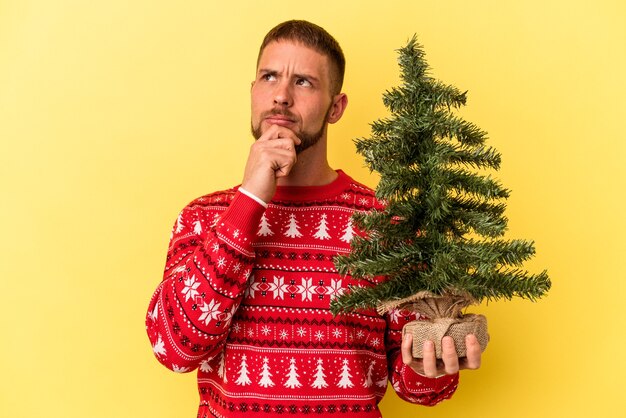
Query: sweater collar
303, 193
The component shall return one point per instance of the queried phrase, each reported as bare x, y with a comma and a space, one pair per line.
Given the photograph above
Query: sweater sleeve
209, 261
408, 384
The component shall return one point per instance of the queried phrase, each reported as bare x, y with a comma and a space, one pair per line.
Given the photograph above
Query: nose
282, 95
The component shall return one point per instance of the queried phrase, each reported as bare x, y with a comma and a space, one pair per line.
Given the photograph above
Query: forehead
288, 55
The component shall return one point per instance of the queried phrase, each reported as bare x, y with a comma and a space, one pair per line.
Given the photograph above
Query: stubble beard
307, 139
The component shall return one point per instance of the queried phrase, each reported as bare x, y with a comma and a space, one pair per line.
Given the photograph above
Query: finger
289, 134
283, 163
270, 133
473, 352
429, 359
406, 349
449, 356
287, 144
277, 152
275, 132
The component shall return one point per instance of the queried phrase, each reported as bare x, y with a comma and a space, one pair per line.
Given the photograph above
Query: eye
303, 82
268, 77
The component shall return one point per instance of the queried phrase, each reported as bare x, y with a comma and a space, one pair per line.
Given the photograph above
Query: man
250, 275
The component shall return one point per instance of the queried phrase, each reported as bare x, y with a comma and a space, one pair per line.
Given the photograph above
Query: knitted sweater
245, 300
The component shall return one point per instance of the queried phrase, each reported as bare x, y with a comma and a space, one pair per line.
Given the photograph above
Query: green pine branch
442, 226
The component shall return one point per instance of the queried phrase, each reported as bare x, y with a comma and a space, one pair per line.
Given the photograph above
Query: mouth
279, 119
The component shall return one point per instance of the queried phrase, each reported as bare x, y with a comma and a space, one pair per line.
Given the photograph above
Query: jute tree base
457, 328
444, 319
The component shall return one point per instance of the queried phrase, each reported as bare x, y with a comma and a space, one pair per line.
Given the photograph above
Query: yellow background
115, 114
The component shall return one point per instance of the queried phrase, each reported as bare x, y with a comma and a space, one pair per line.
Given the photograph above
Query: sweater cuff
253, 197
416, 382
243, 215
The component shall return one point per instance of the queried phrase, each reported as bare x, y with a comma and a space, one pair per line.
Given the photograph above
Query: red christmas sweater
245, 300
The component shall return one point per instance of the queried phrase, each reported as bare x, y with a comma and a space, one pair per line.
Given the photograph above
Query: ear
340, 102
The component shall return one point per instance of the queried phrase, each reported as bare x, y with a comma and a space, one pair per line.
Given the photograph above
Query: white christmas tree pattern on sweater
368, 380
345, 380
293, 230
292, 377
205, 366
382, 383
266, 376
197, 228
320, 377
221, 370
159, 347
243, 378
179, 223
322, 229
348, 232
264, 227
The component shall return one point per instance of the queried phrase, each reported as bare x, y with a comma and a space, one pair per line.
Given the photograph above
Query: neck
311, 168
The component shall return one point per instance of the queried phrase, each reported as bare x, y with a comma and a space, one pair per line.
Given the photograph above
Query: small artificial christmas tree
438, 239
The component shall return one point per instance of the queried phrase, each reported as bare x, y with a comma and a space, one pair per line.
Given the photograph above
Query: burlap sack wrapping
438, 328
445, 319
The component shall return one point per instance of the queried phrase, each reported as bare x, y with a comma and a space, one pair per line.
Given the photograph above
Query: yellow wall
114, 114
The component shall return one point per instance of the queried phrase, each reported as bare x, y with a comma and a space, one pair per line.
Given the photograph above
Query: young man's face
292, 89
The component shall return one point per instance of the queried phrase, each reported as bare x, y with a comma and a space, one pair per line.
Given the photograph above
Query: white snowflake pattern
221, 262
191, 284
363, 201
376, 342
236, 327
279, 285
337, 333
236, 233
250, 333
307, 289
210, 311
266, 330
335, 289
216, 247
360, 334
283, 334
237, 267
319, 335
394, 315
345, 196
301, 332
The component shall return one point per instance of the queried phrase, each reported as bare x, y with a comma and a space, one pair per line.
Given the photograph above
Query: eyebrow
267, 71
308, 77
297, 75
